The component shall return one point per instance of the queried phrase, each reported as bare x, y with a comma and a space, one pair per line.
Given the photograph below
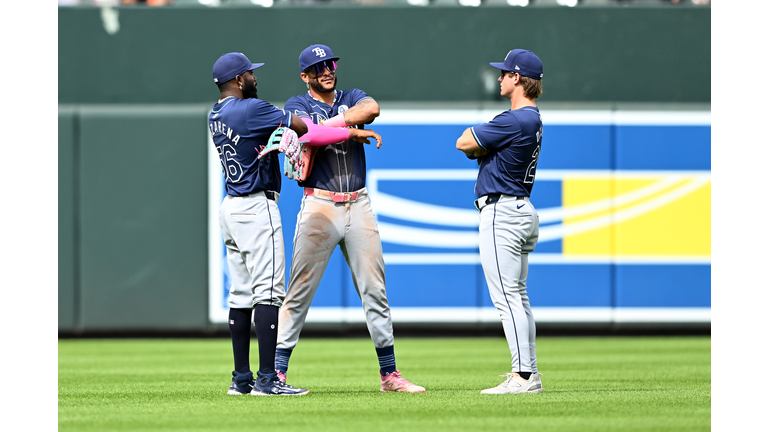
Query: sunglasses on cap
319, 68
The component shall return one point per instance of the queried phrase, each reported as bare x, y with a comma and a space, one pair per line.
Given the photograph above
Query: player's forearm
298, 125
323, 135
467, 143
364, 112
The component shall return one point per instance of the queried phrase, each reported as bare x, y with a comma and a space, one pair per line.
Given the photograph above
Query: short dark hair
227, 84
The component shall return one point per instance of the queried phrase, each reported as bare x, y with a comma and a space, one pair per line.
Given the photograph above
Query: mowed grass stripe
591, 384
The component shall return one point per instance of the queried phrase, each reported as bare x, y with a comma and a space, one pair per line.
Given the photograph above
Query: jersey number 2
530, 173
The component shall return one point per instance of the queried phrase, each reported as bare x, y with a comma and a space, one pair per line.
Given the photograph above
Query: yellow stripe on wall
648, 216
682, 227
584, 191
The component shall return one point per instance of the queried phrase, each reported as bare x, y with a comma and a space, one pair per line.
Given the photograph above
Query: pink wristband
323, 135
337, 121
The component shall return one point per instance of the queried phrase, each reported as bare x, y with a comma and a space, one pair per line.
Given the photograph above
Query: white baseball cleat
516, 384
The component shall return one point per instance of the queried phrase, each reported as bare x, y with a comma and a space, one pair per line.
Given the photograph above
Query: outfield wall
623, 195
136, 251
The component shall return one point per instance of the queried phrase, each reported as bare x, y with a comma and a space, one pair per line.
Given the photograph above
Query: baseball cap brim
501, 66
256, 66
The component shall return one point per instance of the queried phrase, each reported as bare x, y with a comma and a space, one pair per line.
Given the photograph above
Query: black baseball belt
490, 199
271, 195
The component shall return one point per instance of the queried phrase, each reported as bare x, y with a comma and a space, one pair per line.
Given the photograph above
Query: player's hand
479, 153
362, 135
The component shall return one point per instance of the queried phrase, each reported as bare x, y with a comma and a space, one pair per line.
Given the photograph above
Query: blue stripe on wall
663, 285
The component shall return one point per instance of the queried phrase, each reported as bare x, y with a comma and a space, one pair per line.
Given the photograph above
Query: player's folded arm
469, 144
363, 112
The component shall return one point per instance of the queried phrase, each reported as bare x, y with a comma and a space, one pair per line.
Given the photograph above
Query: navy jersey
337, 167
513, 140
240, 129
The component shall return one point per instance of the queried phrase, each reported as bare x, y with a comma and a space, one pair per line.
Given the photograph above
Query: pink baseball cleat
394, 382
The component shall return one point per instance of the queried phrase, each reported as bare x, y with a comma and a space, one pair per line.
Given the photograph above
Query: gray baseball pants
253, 236
322, 224
509, 230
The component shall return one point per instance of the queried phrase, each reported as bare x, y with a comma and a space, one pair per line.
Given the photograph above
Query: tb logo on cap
319, 52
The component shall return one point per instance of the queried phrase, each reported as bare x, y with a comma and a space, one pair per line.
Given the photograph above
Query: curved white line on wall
413, 236
425, 237
405, 209
554, 214
399, 208
559, 231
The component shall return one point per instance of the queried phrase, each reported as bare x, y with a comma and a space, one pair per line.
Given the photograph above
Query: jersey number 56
233, 171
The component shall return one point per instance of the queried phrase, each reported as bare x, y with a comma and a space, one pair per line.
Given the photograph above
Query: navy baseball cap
230, 65
314, 54
524, 62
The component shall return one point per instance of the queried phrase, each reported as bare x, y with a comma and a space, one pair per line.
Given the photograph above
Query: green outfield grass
591, 384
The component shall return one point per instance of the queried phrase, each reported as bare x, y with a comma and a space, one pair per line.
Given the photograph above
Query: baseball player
240, 125
507, 149
336, 210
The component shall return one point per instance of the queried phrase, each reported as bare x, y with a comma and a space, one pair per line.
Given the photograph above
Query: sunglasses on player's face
507, 73
319, 68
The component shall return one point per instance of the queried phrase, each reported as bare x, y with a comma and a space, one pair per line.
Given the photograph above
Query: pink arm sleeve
323, 135
337, 121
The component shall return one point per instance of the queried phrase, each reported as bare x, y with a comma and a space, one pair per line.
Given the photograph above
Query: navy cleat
270, 385
241, 384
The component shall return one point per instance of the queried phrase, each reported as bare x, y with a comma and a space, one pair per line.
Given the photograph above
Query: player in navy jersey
240, 125
507, 149
335, 211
